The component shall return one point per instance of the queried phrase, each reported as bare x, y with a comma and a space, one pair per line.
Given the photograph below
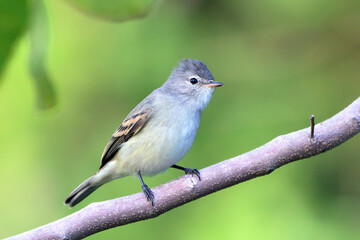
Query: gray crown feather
195, 66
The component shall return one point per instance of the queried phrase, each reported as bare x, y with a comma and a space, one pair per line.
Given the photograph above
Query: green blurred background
280, 61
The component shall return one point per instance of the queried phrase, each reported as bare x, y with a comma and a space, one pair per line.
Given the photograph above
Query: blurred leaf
13, 21
114, 9
39, 39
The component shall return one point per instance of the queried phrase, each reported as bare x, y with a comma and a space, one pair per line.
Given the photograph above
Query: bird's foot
192, 172
149, 194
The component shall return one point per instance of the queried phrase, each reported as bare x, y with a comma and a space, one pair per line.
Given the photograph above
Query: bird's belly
152, 152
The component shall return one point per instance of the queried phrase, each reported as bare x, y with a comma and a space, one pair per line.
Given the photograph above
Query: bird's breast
177, 136
163, 141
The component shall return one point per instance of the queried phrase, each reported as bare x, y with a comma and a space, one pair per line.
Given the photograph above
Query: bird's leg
147, 191
188, 170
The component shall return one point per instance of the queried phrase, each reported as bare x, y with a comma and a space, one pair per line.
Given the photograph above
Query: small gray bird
157, 133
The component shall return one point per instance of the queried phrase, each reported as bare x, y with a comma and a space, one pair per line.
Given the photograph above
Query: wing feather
128, 128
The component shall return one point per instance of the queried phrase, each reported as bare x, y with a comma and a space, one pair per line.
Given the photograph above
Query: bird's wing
128, 128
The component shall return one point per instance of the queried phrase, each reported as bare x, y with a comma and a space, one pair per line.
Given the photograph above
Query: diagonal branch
261, 161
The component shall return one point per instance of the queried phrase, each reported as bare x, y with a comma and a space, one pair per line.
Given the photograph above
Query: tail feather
81, 192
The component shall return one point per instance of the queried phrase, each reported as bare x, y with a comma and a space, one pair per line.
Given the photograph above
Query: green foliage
39, 40
13, 21
114, 9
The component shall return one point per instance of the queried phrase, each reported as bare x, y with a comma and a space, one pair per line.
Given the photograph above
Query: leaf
116, 10
39, 39
13, 22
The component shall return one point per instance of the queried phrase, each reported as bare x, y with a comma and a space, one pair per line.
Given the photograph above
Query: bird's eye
193, 80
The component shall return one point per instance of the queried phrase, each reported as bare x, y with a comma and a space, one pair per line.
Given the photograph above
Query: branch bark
284, 149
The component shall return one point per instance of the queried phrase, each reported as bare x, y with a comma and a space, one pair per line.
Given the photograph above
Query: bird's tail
81, 192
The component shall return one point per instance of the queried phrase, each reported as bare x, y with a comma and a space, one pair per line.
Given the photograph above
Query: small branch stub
312, 120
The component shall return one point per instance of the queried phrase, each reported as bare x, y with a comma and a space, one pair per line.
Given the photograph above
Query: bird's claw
149, 194
193, 172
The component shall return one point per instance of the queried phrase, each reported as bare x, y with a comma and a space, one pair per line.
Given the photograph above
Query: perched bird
157, 133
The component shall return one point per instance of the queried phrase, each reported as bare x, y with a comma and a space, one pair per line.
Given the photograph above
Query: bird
157, 133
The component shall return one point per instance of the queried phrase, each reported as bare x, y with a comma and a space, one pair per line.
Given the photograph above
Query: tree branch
261, 161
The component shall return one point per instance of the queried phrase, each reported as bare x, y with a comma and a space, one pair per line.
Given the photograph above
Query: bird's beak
214, 84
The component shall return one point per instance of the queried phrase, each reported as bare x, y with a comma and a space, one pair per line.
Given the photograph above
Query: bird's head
192, 80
